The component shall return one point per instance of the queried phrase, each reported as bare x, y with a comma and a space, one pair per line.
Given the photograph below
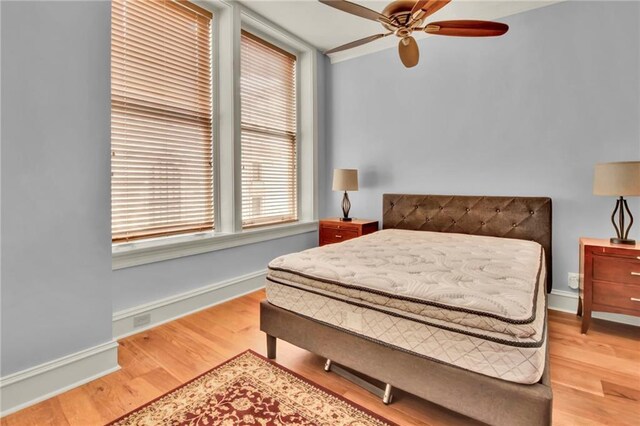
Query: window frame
229, 19
136, 105
257, 33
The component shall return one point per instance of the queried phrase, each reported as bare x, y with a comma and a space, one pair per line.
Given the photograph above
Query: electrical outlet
141, 320
574, 280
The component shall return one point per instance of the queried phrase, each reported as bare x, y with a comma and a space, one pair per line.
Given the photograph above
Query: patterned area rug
250, 390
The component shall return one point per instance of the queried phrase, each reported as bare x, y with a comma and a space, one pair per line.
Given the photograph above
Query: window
161, 119
268, 133
208, 121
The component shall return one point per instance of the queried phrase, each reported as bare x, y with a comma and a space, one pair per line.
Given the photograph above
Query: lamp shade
345, 180
617, 179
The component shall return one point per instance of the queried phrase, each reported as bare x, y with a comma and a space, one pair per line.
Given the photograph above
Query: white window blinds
161, 119
268, 133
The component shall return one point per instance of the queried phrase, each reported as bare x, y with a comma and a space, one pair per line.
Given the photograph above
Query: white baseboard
35, 384
567, 301
44, 381
170, 308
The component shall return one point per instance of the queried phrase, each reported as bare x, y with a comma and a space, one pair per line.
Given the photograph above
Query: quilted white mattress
475, 302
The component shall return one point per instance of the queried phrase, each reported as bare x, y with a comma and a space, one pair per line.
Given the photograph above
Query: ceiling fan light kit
401, 18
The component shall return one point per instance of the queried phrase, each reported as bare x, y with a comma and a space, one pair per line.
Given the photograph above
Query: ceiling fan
402, 18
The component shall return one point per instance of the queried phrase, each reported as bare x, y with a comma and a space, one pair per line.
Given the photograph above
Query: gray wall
56, 258
146, 283
529, 113
58, 290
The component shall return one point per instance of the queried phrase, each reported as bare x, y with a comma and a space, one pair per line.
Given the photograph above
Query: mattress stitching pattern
422, 301
380, 342
530, 344
277, 271
520, 365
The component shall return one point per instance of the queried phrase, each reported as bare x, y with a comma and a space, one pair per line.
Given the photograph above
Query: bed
455, 314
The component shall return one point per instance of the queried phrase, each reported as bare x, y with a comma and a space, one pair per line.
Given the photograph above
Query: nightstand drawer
334, 230
330, 227
616, 269
333, 235
626, 296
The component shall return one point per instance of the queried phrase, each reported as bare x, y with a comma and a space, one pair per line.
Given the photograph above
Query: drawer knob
338, 236
634, 299
637, 274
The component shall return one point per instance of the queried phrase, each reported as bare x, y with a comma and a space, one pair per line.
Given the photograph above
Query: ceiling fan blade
418, 6
467, 28
356, 9
356, 43
429, 7
409, 52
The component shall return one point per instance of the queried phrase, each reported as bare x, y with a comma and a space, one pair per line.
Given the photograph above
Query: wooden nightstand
609, 279
333, 230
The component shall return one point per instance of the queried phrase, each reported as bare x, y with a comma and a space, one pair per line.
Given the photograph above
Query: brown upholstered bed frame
483, 398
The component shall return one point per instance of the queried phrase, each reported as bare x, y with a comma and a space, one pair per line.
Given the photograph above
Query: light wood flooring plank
595, 377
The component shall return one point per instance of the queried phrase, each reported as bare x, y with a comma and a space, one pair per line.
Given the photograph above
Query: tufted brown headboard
525, 218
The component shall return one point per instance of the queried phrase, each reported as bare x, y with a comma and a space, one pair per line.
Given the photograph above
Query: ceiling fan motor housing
399, 12
401, 18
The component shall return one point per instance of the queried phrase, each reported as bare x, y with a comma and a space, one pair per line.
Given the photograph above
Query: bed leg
388, 396
271, 346
327, 365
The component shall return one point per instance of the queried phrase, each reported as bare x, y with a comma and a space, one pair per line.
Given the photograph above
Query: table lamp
345, 180
618, 179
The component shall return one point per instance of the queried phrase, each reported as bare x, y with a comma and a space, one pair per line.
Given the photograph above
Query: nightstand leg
579, 313
586, 319
586, 297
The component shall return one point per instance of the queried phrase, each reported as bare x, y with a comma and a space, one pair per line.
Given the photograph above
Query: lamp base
622, 233
346, 206
625, 241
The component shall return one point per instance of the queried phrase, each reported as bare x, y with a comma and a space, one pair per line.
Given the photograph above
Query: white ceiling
325, 27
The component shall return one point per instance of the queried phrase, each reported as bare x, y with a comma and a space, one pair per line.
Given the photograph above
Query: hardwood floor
596, 377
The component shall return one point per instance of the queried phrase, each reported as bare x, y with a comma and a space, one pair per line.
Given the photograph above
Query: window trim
230, 18
260, 37
307, 111
153, 196
141, 252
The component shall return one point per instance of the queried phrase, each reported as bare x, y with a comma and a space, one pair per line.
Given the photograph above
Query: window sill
125, 255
